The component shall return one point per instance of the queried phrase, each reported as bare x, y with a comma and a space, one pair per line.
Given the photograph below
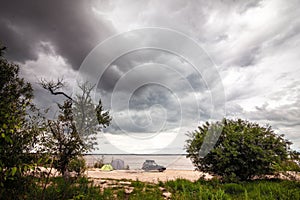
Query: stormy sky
164, 67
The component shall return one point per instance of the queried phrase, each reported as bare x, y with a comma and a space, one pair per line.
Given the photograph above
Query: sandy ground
141, 175
155, 176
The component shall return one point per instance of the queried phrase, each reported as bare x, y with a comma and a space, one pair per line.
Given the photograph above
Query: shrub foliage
243, 149
19, 124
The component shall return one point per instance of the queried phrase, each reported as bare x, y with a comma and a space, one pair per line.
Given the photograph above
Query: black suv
150, 165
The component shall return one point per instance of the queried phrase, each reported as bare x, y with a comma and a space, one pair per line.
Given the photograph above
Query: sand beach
153, 177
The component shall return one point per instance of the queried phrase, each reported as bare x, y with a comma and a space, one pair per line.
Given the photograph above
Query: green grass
83, 189
184, 189
77, 189
258, 190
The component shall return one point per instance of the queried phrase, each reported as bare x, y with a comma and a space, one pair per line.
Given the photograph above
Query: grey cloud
250, 59
17, 42
248, 5
154, 86
245, 43
227, 30
233, 109
71, 27
280, 117
150, 107
197, 82
290, 32
178, 67
283, 119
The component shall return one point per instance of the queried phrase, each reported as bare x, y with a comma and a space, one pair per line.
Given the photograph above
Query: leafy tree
77, 165
243, 150
65, 143
20, 124
89, 118
73, 133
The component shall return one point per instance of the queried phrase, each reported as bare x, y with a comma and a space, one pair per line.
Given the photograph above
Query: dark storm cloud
150, 94
254, 43
70, 27
127, 62
169, 82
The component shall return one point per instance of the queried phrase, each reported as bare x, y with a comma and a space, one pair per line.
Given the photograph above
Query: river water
179, 162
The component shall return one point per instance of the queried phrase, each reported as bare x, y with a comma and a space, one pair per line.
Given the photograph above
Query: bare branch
52, 87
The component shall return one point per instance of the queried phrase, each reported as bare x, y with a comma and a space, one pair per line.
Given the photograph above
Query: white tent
118, 164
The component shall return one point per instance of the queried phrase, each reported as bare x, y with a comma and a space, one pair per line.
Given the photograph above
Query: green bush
242, 150
77, 165
20, 127
289, 165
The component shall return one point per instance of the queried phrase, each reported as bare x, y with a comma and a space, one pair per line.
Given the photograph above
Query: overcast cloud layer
255, 46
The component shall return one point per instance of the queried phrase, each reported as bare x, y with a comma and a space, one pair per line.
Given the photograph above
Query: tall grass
184, 189
181, 189
59, 188
258, 189
84, 189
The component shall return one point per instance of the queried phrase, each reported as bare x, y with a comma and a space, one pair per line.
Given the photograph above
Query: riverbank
167, 175
152, 177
